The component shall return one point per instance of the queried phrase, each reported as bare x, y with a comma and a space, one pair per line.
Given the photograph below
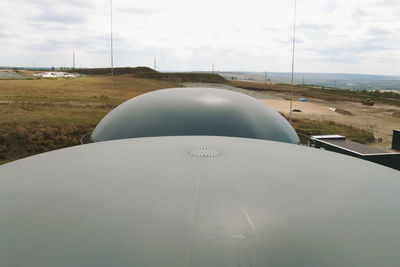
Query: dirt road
377, 119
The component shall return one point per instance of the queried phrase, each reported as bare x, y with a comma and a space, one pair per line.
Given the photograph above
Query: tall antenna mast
73, 60
294, 42
112, 49
265, 79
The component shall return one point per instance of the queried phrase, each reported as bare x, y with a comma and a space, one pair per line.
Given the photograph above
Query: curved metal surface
194, 111
152, 202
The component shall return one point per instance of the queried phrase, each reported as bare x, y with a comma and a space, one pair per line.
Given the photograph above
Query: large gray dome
198, 201
194, 111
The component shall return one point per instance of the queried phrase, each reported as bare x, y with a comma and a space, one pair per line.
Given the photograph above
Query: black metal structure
396, 140
339, 144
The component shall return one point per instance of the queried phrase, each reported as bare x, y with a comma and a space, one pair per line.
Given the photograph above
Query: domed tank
194, 111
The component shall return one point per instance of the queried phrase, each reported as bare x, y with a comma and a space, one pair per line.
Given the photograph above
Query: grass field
40, 115
312, 127
46, 114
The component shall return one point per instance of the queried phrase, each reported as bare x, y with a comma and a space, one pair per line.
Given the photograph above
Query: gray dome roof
198, 201
194, 111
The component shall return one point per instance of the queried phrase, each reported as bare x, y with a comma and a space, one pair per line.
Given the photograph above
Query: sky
341, 36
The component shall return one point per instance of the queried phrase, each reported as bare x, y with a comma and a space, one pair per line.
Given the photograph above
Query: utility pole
73, 60
155, 64
112, 49
265, 79
303, 79
213, 68
294, 42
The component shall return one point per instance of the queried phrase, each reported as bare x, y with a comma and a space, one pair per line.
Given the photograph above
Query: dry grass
83, 89
45, 114
312, 127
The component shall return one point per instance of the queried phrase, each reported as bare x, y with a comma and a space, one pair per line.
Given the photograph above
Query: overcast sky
341, 36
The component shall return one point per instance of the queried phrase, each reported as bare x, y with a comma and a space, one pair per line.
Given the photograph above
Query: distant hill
183, 77
148, 73
117, 71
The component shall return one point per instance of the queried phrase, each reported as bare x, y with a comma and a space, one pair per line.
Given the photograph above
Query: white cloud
53, 16
332, 36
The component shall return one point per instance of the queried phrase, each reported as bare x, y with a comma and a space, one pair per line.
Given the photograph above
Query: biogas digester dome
194, 111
